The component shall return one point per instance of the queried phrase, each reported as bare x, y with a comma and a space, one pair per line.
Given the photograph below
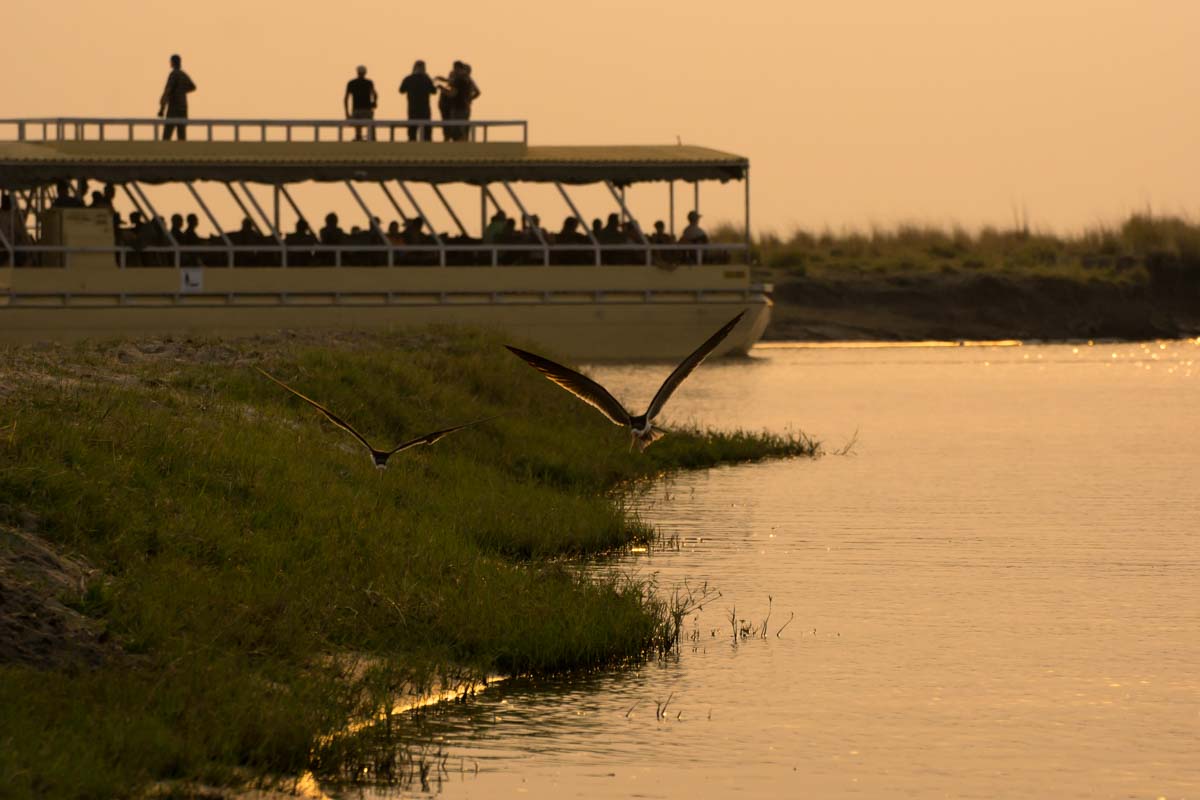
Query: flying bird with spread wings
641, 427
378, 457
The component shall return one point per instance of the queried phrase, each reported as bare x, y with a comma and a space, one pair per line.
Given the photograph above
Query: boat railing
270, 254
129, 129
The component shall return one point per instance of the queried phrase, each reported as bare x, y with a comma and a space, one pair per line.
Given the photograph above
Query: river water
996, 593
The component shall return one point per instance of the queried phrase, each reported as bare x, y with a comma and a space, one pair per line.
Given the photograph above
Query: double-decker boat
70, 270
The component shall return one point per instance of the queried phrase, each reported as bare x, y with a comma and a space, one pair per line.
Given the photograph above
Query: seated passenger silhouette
412, 231
63, 197
153, 236
569, 234
188, 237
531, 229
105, 198
302, 237
660, 235
611, 232
246, 237
332, 234
495, 227
190, 233
693, 233
414, 235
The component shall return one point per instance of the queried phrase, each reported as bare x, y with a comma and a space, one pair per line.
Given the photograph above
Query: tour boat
67, 274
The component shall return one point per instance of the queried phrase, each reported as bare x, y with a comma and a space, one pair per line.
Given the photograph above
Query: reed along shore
1139, 279
202, 580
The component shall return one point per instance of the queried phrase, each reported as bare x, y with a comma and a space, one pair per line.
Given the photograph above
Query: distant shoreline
1136, 280
990, 306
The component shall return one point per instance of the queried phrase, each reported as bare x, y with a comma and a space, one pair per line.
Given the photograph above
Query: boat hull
583, 313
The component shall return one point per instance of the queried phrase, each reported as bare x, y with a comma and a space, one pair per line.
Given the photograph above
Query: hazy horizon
1067, 113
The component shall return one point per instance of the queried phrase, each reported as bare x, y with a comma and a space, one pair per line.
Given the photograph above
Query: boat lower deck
589, 313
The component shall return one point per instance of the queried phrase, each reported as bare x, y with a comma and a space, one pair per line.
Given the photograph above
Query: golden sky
853, 113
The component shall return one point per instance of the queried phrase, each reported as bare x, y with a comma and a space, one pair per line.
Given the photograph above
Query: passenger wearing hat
693, 233
360, 100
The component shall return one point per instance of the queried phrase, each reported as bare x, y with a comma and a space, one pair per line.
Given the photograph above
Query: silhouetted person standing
447, 87
174, 103
419, 88
360, 101
465, 93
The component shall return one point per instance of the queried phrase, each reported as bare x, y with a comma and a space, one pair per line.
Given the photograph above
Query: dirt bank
37, 627
975, 306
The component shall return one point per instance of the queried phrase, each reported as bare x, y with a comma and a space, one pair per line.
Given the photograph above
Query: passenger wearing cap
693, 233
360, 100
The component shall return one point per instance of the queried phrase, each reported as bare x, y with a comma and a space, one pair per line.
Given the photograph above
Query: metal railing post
747, 221
527, 218
212, 220
155, 218
274, 233
371, 219
620, 198
12, 253
449, 209
671, 206
295, 208
425, 220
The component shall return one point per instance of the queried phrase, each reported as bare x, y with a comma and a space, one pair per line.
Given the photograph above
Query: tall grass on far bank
1143, 246
260, 583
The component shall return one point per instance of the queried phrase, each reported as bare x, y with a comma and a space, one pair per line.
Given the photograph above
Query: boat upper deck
27, 161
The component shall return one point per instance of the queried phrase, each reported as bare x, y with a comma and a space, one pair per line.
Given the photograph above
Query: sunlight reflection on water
996, 594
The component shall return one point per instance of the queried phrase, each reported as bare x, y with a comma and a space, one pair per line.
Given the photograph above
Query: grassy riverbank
202, 578
1138, 279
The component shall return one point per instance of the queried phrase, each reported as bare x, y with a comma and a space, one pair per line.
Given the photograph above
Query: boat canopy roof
24, 164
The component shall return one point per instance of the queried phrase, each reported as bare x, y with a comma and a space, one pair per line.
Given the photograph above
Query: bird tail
650, 438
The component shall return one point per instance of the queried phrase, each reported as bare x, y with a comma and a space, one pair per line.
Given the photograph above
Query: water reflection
995, 594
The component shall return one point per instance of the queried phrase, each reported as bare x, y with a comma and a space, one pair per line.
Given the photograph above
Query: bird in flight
378, 457
641, 427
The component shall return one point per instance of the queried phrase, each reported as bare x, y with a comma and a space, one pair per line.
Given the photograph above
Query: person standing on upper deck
466, 92
174, 102
360, 101
446, 104
419, 88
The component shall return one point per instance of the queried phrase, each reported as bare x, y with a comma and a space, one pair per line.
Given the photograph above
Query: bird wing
577, 384
687, 365
334, 418
430, 438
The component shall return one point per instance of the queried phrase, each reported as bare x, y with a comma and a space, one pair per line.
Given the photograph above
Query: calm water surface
997, 594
